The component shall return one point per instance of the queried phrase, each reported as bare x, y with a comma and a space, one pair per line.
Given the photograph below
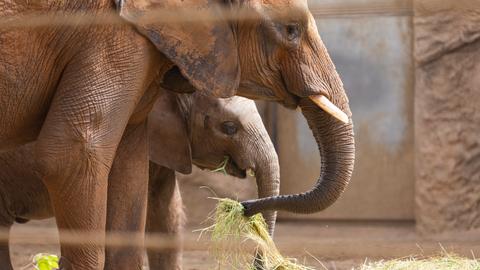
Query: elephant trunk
267, 172
268, 182
336, 144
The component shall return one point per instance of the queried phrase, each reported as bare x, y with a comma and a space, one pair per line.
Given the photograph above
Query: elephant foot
5, 257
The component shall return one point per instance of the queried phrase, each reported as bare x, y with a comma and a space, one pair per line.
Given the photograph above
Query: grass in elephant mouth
236, 238
228, 166
443, 262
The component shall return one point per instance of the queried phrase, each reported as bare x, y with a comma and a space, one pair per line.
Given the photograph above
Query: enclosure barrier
153, 241
167, 15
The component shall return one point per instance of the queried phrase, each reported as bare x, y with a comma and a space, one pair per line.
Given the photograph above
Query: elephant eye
293, 31
229, 128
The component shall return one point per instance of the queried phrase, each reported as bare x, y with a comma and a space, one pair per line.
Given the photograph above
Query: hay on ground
444, 262
236, 239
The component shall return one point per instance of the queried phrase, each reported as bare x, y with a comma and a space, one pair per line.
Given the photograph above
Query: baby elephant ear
168, 135
193, 35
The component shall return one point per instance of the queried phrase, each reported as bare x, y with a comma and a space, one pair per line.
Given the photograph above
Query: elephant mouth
251, 90
227, 166
233, 169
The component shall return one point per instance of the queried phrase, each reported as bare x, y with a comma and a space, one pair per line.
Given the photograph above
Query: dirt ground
332, 245
322, 245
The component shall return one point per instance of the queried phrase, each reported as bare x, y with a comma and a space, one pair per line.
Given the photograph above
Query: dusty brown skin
206, 128
75, 90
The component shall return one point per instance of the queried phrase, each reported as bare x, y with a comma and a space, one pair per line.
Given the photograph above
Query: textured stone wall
447, 115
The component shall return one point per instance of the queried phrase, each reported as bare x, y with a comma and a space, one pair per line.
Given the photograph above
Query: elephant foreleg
127, 199
165, 216
77, 145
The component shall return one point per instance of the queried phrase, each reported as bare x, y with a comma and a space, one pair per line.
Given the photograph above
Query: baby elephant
183, 130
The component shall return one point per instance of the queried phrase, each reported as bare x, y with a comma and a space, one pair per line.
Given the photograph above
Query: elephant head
186, 129
276, 54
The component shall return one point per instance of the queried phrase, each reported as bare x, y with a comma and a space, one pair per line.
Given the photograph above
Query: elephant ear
168, 135
204, 49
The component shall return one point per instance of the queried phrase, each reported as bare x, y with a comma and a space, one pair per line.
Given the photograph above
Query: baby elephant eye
229, 128
293, 31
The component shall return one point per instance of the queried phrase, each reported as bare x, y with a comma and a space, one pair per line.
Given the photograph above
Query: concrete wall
373, 54
447, 118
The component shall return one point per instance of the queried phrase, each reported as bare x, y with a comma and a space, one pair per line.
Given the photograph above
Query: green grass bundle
445, 262
236, 239
43, 261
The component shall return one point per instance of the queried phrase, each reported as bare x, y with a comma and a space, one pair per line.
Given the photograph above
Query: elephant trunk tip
252, 207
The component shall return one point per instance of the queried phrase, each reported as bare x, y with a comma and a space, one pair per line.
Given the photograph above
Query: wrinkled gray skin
203, 130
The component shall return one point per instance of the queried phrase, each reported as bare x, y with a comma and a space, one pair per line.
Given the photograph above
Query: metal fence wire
323, 10
154, 241
168, 15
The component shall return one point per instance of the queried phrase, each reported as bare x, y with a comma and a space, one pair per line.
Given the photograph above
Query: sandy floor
322, 245
193, 260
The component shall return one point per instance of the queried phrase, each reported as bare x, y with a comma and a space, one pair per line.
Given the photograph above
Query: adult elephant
201, 130
83, 92
278, 55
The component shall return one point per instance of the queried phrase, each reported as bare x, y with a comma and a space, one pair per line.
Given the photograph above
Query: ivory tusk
330, 108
